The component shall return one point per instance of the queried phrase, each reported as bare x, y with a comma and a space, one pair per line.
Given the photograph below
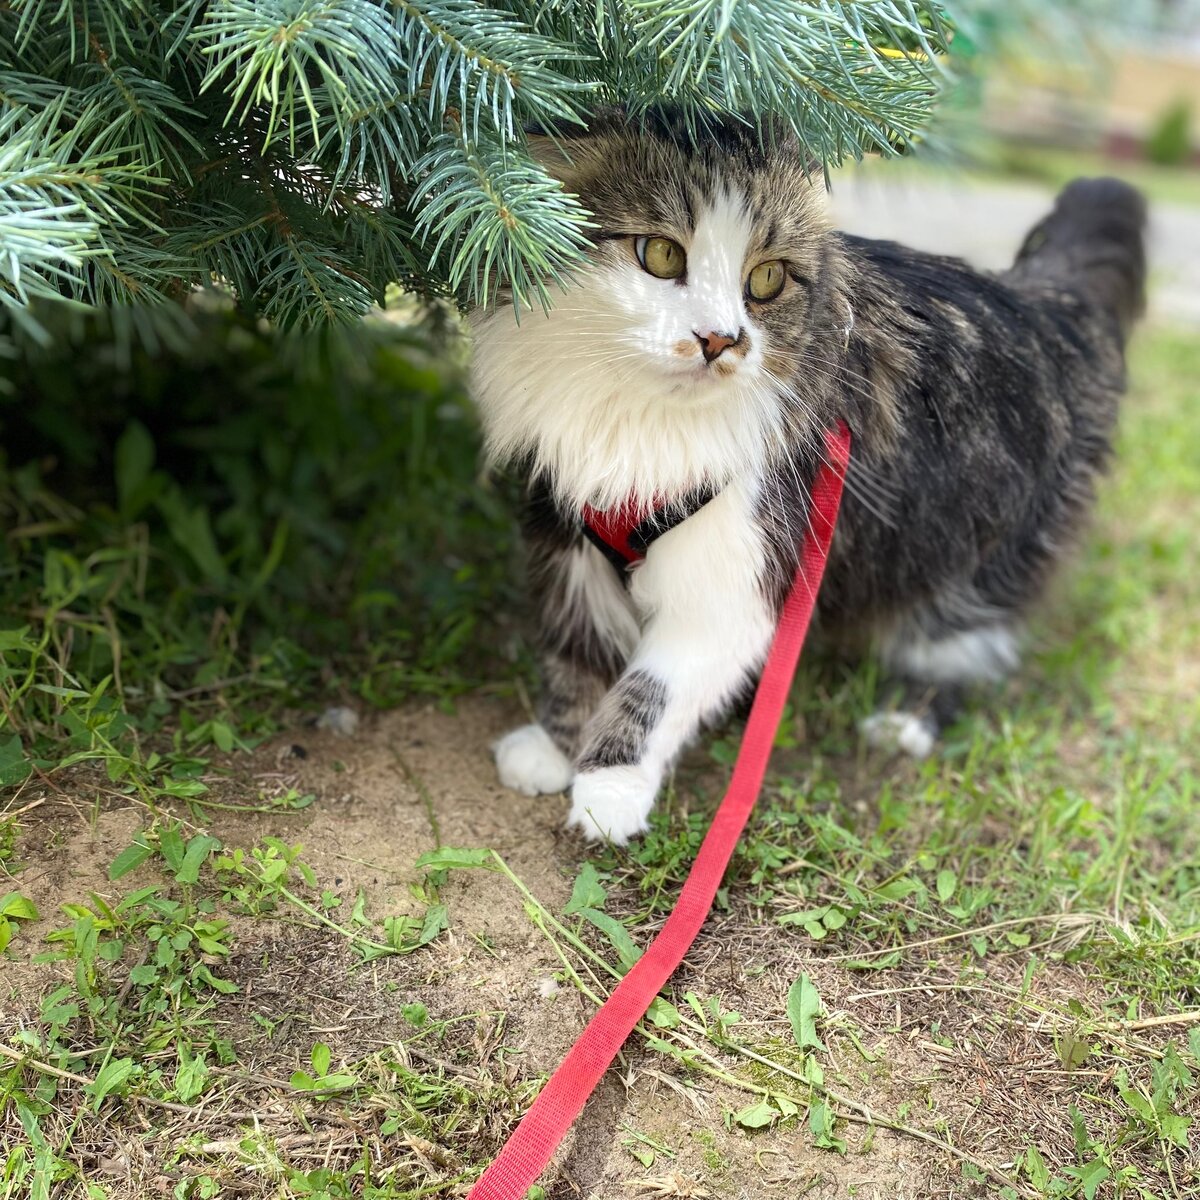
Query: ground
975, 976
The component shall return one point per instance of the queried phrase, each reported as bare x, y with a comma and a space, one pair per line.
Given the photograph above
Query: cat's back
1001, 391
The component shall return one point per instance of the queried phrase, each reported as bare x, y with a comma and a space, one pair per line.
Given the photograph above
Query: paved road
985, 224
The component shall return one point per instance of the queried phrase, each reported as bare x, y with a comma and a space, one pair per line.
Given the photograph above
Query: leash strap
532, 1144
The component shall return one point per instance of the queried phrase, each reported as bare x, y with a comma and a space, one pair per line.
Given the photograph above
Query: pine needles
305, 154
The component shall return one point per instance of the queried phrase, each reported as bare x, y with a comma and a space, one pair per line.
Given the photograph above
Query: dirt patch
961, 1062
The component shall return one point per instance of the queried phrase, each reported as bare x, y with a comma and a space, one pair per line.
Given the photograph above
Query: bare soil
958, 1064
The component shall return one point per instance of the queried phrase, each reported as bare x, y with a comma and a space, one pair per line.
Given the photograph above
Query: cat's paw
913, 734
528, 761
612, 804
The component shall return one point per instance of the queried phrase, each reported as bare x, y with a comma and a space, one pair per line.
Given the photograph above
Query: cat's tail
1093, 243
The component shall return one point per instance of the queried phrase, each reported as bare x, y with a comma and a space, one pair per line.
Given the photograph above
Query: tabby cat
720, 327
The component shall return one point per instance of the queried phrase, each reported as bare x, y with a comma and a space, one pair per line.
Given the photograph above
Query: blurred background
1126, 102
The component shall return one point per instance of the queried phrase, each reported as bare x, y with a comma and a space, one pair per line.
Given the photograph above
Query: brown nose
712, 344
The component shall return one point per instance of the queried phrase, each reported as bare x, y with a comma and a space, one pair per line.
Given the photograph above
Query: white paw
613, 803
528, 761
898, 731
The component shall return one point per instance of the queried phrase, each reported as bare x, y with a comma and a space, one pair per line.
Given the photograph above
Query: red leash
535, 1139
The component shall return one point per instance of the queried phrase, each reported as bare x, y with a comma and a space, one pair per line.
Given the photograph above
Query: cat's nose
712, 344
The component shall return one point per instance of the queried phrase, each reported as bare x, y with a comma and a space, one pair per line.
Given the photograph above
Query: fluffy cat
720, 327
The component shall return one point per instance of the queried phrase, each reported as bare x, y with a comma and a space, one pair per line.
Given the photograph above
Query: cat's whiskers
875, 496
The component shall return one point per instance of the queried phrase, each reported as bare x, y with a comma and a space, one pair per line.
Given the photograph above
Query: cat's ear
551, 151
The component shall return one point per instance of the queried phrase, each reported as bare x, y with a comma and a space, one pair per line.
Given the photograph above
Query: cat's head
711, 267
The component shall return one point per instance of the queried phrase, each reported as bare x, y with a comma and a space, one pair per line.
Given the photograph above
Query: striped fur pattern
982, 409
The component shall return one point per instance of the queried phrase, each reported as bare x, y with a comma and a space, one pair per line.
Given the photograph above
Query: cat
720, 326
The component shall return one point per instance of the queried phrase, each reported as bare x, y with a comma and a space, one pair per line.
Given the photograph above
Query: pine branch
306, 154
818, 66
497, 220
85, 23
478, 58
274, 54
56, 211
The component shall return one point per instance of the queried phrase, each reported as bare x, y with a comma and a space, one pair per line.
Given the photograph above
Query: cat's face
674, 358
707, 266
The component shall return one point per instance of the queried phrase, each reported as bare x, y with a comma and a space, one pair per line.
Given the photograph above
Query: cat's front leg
586, 630
709, 628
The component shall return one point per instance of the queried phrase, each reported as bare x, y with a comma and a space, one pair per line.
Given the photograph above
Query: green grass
1032, 893
198, 537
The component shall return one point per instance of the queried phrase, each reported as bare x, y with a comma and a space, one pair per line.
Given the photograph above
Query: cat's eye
660, 256
766, 281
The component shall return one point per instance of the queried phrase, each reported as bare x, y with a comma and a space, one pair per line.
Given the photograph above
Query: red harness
623, 534
533, 1142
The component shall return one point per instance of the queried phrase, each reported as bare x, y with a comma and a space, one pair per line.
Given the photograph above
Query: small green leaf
947, 881
900, 889
198, 850
191, 530
192, 1075
834, 919
1140, 1105
339, 1082
1175, 1129
881, 962
663, 1014
1036, 1169
757, 1116
401, 932
1016, 938
13, 904
665, 1047
805, 916
416, 1014
202, 974
320, 1059
820, 1123
587, 892
14, 768
302, 1081
112, 1078
170, 842
451, 858
222, 735
437, 919
133, 460
1092, 1175
803, 1008
6, 932
1083, 1143
1073, 1050
616, 933
129, 859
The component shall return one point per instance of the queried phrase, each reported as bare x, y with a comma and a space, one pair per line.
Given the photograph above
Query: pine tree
306, 154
